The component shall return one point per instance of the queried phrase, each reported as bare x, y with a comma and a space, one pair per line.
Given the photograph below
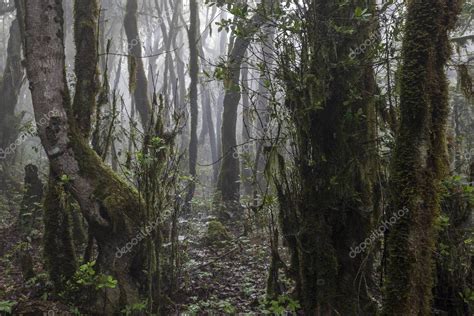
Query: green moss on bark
333, 111
86, 14
59, 253
419, 161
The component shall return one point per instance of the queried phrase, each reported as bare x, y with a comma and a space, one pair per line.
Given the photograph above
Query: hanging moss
132, 71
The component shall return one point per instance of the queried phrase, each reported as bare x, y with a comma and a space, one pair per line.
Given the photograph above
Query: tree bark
58, 244
420, 157
333, 204
138, 81
30, 205
247, 130
112, 208
10, 86
86, 13
228, 186
193, 97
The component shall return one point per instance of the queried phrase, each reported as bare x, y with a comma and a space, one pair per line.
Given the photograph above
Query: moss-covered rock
217, 233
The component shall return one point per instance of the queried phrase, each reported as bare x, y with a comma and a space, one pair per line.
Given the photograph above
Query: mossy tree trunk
87, 42
59, 250
86, 14
112, 208
420, 157
331, 100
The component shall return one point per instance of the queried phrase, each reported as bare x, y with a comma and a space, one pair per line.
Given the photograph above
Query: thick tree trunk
334, 205
420, 157
112, 208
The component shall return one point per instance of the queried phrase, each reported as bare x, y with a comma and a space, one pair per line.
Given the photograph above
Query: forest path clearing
226, 278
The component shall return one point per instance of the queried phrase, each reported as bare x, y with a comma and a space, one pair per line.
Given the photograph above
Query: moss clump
217, 233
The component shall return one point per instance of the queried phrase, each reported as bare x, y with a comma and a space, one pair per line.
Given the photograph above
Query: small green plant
137, 307
226, 307
86, 281
212, 305
86, 276
65, 179
6, 306
75, 311
282, 305
194, 309
467, 296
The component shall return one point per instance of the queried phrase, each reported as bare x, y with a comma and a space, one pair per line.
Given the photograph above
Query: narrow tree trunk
10, 86
228, 185
30, 206
138, 80
262, 114
86, 13
193, 97
211, 132
247, 128
59, 252
86, 21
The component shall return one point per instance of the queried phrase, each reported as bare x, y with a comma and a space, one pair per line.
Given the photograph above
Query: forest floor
224, 277
15, 293
228, 277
